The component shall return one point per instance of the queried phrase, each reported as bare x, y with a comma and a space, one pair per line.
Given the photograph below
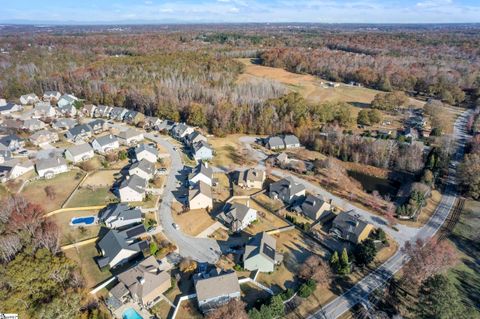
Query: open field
86, 196
69, 234
192, 222
229, 152
101, 178
83, 256
3, 192
62, 184
466, 274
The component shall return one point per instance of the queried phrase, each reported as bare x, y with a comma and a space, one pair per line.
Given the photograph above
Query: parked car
176, 226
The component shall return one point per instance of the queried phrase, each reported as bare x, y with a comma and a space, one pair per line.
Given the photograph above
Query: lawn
268, 203
83, 256
62, 185
89, 196
71, 234
192, 222
3, 192
101, 178
221, 191
466, 274
229, 152
161, 309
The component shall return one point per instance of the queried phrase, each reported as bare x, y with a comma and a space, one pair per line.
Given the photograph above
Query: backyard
69, 234
192, 222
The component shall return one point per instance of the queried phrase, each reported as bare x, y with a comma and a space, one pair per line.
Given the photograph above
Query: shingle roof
80, 149
217, 286
275, 141
65, 123
234, 212
286, 186
350, 225
200, 188
291, 140
197, 146
311, 204
146, 148
202, 168
79, 129
144, 166
134, 182
48, 163
106, 139
263, 244
129, 133
118, 211
252, 174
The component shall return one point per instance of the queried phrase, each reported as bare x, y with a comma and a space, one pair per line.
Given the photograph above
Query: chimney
142, 280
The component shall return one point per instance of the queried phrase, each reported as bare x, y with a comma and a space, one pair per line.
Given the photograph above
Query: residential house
89, 110
66, 99
14, 168
202, 172
33, 125
3, 102
132, 189
251, 178
260, 253
237, 216
411, 133
64, 124
105, 144
79, 133
5, 154
29, 99
118, 113
351, 227
145, 283
49, 96
10, 108
291, 141
15, 124
120, 215
313, 207
43, 110
68, 110
133, 117
119, 246
286, 190
79, 153
166, 126
181, 130
146, 152
130, 137
202, 151
43, 137
275, 143
216, 289
12, 142
102, 111
50, 167
195, 137
152, 122
200, 196
142, 168
98, 125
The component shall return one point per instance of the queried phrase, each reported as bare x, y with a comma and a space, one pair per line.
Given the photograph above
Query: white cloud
433, 3
233, 10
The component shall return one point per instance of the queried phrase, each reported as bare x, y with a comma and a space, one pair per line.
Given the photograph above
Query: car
176, 226
151, 228
23, 152
174, 148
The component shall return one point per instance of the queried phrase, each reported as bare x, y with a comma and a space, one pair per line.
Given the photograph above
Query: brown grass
102, 178
192, 222
69, 234
229, 152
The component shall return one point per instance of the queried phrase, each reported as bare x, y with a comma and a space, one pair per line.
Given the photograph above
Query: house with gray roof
180, 131
64, 124
79, 153
152, 122
237, 216
146, 152
202, 172
120, 215
165, 125
105, 144
313, 207
81, 132
12, 142
291, 141
43, 110
10, 108
89, 109
286, 190
202, 151
214, 290
29, 99
51, 95
118, 113
44, 137
33, 125
351, 227
98, 125
66, 99
132, 189
130, 137
102, 111
5, 154
260, 253
50, 167
143, 168
133, 117
119, 246
200, 196
251, 178
195, 137
275, 143
14, 168
68, 110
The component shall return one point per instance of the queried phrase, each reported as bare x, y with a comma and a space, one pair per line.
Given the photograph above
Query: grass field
71, 234
192, 222
229, 152
91, 197
102, 178
466, 274
62, 184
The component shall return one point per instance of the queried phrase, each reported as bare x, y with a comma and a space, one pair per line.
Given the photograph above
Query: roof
65, 123
350, 224
79, 129
134, 182
44, 164
144, 166
200, 188
252, 174
69, 97
29, 95
274, 141
129, 133
180, 128
291, 140
286, 186
311, 205
106, 140
7, 139
41, 133
51, 93
217, 286
96, 122
201, 144
66, 107
118, 211
80, 149
233, 212
202, 168
195, 135
261, 244
7, 107
146, 148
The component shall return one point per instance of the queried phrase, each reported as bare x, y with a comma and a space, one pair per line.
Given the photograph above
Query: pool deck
118, 313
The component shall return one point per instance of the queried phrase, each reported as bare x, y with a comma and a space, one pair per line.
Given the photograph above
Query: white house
120, 215
132, 189
33, 125
202, 172
14, 168
202, 151
51, 95
200, 196
29, 99
68, 110
130, 137
181, 130
105, 144
78, 133
79, 153
43, 109
44, 137
66, 99
9, 108
143, 168
147, 152
50, 167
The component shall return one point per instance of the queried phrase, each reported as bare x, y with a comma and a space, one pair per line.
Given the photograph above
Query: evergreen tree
344, 268
365, 252
277, 308
334, 261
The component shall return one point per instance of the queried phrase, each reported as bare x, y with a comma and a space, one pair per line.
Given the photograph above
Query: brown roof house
260, 253
215, 289
351, 227
144, 283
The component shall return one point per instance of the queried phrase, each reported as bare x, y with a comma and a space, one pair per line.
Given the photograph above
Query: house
29, 99
195, 137
282, 159
202, 172
152, 122
43, 110
291, 141
68, 110
132, 189
251, 178
102, 111
200, 196
350, 227
81, 132
142, 168
50, 167
145, 283
181, 130
10, 108
5, 154
411, 133
286, 190
260, 253
43, 137
146, 152
48, 96
89, 110
130, 137
237, 216
202, 151
275, 143
166, 125
313, 207
33, 125
66, 99
105, 144
12, 142
98, 125
120, 215
118, 113
133, 117
14, 168
64, 124
216, 289
119, 246
15, 124
79, 153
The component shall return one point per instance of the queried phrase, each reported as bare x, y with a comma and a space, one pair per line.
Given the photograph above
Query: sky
236, 11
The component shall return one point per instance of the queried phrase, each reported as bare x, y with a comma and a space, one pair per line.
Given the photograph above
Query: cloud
433, 3
233, 10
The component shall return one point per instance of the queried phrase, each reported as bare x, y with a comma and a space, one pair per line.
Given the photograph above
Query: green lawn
466, 275
91, 197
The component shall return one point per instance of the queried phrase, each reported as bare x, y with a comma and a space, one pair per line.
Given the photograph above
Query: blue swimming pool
87, 220
130, 313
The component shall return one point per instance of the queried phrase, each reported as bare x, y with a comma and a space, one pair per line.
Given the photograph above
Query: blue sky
326, 11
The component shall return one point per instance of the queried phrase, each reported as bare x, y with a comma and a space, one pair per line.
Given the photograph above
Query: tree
365, 252
122, 155
234, 309
317, 269
469, 174
335, 261
363, 117
187, 265
50, 192
374, 116
344, 265
439, 298
196, 115
153, 248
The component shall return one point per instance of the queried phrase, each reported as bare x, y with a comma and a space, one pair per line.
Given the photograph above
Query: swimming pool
79, 221
130, 313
